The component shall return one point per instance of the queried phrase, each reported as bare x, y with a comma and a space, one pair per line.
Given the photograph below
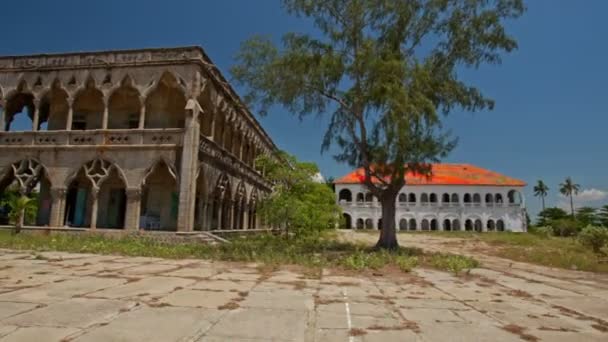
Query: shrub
541, 231
453, 263
594, 237
566, 227
406, 263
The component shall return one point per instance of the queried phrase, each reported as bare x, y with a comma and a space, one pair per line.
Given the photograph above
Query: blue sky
550, 119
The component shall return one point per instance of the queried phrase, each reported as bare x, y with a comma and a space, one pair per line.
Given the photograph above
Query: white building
456, 197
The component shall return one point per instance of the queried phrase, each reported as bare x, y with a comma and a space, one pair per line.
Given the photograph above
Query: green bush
594, 237
406, 263
541, 231
453, 263
566, 227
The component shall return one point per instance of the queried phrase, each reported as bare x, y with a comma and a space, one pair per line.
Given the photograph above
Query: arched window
369, 197
445, 198
447, 225
456, 225
360, 224
476, 198
490, 225
467, 199
434, 224
424, 199
455, 198
403, 224
500, 225
412, 224
468, 225
360, 198
478, 226
369, 224
425, 224
499, 199
345, 196
347, 221
433, 198
514, 197
412, 198
402, 198
489, 199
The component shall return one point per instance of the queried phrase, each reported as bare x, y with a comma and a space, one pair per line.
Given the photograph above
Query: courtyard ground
56, 296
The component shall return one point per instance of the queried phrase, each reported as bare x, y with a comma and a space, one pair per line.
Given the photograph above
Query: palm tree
540, 190
569, 188
21, 207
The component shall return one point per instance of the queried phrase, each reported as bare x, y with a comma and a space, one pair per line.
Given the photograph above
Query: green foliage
18, 205
540, 190
548, 215
587, 216
297, 203
569, 188
602, 216
453, 263
541, 231
594, 237
384, 72
566, 227
406, 263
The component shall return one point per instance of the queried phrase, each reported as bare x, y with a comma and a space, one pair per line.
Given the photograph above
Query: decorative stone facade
460, 197
152, 139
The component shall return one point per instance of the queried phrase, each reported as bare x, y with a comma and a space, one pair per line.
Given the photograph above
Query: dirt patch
297, 284
406, 325
321, 301
600, 327
556, 329
229, 306
519, 293
357, 332
519, 331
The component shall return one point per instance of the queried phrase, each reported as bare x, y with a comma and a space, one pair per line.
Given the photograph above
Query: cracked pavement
55, 296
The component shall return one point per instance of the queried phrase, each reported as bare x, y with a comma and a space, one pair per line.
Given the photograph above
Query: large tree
540, 190
568, 188
603, 216
384, 71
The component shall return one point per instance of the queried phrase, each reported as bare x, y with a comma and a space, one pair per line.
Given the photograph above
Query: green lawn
312, 252
561, 252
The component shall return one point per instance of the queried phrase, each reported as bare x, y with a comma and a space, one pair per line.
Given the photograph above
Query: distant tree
587, 216
298, 203
540, 190
330, 183
548, 215
603, 216
569, 188
384, 71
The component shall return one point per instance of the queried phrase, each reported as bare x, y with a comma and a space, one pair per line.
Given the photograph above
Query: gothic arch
124, 105
165, 103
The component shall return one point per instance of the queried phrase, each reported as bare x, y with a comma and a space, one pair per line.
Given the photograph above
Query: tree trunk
20, 221
388, 233
572, 205
543, 200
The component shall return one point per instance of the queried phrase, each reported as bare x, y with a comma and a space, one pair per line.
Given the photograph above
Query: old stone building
456, 197
154, 139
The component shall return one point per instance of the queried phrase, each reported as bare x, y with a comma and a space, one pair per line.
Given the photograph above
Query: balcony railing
170, 136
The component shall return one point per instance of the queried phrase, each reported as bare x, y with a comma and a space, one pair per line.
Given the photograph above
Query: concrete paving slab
155, 325
8, 309
35, 333
199, 298
151, 286
149, 269
280, 299
193, 272
72, 313
7, 329
269, 324
223, 285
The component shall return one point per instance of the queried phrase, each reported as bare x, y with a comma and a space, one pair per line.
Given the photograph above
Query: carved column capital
94, 192
133, 193
57, 193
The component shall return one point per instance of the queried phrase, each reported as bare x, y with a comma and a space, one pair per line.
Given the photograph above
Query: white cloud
587, 197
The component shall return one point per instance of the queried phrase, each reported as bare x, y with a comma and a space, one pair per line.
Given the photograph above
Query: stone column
94, 206
189, 166
2, 116
36, 117
142, 114
220, 214
106, 112
213, 119
57, 207
133, 209
246, 217
70, 118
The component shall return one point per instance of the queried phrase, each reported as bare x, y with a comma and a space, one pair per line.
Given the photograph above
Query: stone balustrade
128, 137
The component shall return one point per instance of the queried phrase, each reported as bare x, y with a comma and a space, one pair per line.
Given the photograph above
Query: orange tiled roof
446, 174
